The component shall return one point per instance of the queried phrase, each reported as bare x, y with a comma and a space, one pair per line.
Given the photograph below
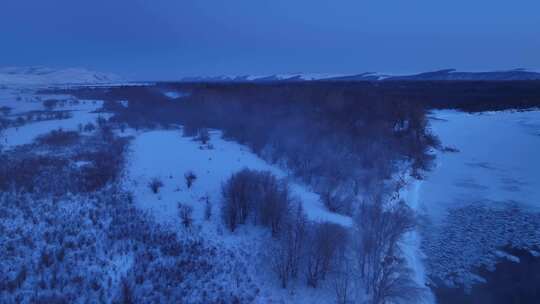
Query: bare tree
384, 272
325, 240
343, 277
395, 283
287, 254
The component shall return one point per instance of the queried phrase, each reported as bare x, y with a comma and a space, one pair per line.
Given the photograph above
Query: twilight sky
168, 39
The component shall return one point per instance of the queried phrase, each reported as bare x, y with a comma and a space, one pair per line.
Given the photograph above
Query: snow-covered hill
451, 74
35, 76
448, 74
282, 77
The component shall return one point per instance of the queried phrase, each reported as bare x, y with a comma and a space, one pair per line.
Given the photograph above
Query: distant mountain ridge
49, 76
452, 74
441, 75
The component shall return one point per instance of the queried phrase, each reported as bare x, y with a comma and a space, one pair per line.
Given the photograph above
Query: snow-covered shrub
155, 184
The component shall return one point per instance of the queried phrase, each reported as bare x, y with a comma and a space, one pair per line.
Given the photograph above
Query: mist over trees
342, 139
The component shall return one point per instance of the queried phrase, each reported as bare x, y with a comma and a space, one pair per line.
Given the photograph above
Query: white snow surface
497, 161
411, 243
167, 155
23, 102
174, 94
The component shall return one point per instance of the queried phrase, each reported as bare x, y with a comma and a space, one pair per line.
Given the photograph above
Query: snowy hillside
446, 75
452, 74
35, 76
280, 77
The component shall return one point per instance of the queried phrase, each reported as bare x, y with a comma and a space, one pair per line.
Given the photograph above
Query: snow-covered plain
24, 102
490, 183
167, 155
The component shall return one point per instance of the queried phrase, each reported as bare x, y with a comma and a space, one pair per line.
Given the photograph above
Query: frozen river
498, 161
482, 197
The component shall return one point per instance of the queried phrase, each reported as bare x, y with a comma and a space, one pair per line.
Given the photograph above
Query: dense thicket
70, 234
257, 196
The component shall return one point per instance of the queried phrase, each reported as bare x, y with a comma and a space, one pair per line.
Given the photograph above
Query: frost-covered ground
484, 196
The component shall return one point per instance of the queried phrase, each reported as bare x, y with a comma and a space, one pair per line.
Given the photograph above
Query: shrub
59, 138
106, 164
203, 136
336, 200
89, 127
50, 104
207, 210
190, 178
185, 212
155, 184
189, 131
289, 249
5, 110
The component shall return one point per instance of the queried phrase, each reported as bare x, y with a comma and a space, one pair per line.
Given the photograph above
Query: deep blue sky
167, 39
